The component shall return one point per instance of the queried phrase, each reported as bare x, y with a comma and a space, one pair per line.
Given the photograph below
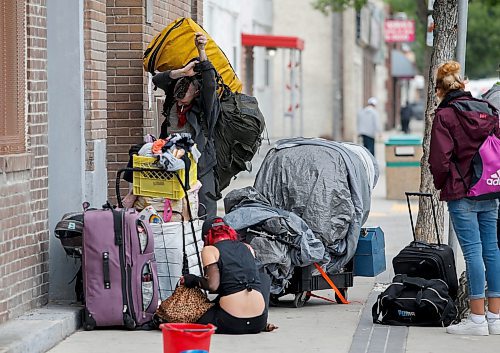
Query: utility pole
463, 9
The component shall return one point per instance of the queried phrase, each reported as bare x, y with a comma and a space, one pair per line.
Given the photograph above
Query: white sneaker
469, 327
494, 326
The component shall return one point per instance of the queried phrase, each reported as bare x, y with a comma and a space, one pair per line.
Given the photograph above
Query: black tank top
237, 267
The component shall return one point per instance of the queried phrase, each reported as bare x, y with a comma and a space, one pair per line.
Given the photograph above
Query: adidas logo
494, 179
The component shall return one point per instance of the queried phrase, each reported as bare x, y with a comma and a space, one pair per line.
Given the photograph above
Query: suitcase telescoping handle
422, 194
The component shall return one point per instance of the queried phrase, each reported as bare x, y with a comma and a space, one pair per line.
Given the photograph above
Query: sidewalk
319, 326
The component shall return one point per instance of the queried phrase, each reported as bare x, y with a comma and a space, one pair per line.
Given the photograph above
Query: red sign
399, 31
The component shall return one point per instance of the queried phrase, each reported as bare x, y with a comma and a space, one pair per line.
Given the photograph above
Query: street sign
396, 31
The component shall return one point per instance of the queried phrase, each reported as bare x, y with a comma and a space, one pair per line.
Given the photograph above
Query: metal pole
301, 95
463, 9
292, 90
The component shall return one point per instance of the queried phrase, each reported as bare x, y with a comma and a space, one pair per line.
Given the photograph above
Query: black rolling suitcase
429, 261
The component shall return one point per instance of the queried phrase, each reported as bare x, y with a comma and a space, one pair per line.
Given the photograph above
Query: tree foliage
483, 32
326, 6
483, 39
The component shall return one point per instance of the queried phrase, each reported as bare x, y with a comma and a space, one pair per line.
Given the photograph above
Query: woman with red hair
231, 272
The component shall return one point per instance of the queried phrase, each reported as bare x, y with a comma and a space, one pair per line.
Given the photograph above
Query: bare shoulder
209, 255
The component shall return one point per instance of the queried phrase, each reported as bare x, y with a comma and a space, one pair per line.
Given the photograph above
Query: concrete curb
41, 329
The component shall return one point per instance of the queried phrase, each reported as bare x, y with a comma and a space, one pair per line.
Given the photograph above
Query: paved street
319, 326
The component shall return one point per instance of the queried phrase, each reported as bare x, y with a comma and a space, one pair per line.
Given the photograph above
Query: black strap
185, 268
187, 167
460, 174
118, 228
117, 225
105, 270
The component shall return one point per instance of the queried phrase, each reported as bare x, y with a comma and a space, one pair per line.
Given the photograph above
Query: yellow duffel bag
174, 47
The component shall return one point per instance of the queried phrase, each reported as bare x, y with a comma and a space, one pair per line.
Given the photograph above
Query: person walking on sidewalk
191, 105
406, 114
455, 137
369, 124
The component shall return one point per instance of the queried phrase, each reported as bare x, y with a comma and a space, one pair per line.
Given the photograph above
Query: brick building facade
115, 108
24, 234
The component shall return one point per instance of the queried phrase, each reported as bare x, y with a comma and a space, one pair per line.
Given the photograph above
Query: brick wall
94, 76
128, 36
24, 236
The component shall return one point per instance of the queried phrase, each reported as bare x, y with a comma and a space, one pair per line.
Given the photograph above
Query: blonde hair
448, 77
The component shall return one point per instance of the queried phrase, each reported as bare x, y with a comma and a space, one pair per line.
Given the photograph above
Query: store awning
401, 66
270, 41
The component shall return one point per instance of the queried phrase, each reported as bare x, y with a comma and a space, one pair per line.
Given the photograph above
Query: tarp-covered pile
313, 192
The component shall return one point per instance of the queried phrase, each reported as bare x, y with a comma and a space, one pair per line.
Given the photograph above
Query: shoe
469, 327
494, 326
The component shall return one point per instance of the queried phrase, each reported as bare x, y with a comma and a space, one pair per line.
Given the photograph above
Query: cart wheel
308, 296
274, 300
300, 299
342, 291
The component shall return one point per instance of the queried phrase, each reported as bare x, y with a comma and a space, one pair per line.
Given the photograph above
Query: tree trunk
445, 16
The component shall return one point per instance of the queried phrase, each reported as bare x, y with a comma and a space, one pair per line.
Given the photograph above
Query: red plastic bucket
182, 337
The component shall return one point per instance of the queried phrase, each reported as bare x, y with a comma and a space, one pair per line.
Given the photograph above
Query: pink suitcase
119, 269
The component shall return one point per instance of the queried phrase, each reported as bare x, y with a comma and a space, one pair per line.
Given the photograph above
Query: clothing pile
313, 191
170, 150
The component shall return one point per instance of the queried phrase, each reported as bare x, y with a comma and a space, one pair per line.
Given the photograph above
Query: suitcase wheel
128, 322
274, 300
88, 321
342, 291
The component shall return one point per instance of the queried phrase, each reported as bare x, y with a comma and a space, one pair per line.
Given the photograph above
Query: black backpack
414, 301
237, 135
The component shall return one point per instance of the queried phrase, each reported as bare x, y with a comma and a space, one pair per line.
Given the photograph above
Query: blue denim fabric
475, 224
369, 143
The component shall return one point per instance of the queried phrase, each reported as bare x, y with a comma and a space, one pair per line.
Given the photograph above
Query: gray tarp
246, 208
325, 183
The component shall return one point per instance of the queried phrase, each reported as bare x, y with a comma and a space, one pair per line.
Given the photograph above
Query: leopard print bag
185, 305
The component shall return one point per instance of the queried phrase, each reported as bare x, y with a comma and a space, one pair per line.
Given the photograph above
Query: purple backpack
485, 166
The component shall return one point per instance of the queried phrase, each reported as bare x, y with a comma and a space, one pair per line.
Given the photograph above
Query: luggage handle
190, 215
422, 194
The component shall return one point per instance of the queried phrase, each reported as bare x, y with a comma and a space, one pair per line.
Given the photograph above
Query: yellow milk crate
157, 182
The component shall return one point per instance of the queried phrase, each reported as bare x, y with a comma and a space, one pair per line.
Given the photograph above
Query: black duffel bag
414, 301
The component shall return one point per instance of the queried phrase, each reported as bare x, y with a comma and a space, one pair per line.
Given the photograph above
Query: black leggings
229, 324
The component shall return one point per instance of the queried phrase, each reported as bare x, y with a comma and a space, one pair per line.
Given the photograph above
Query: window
12, 77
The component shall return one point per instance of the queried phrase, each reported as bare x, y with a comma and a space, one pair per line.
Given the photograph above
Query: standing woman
460, 126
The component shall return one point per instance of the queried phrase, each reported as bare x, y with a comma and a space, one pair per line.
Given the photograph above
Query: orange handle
330, 282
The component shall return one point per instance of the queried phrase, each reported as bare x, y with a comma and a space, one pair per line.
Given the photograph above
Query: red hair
219, 232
